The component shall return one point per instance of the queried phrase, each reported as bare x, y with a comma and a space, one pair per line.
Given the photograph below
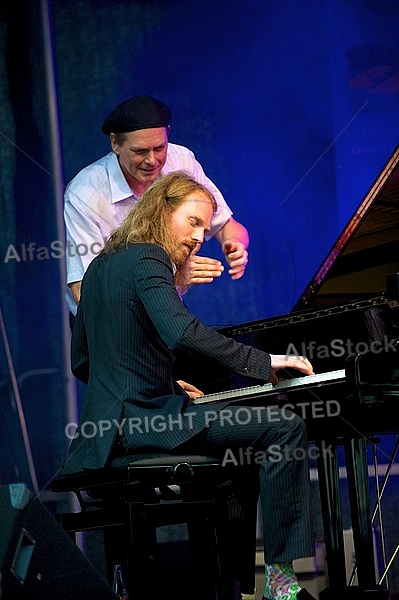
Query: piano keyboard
308, 381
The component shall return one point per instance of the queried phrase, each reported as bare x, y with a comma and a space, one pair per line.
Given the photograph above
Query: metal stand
357, 473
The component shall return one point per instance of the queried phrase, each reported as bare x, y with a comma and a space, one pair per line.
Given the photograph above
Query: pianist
129, 322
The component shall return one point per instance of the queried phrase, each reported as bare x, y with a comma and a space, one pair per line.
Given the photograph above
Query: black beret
139, 112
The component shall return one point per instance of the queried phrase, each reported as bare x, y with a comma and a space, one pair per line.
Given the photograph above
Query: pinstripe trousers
272, 448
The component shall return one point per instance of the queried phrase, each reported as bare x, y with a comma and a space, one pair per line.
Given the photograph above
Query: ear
167, 130
114, 143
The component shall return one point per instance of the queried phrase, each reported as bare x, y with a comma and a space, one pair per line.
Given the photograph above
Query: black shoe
301, 595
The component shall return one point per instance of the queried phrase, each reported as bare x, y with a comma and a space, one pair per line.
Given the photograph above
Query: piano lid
366, 251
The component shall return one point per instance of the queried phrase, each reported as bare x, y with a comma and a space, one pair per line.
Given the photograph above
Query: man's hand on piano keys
283, 361
191, 390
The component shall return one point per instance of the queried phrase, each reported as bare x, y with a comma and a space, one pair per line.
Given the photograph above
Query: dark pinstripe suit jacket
129, 322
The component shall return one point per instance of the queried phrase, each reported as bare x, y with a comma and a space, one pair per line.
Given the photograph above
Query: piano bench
138, 493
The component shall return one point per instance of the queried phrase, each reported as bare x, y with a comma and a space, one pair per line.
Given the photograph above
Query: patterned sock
281, 582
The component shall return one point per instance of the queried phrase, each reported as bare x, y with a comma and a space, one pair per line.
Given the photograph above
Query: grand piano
346, 322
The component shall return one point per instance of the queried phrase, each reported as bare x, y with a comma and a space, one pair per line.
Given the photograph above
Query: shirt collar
120, 189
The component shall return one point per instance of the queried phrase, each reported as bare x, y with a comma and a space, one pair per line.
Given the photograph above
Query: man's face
188, 224
143, 154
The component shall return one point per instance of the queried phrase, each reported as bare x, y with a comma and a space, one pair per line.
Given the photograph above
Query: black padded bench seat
139, 469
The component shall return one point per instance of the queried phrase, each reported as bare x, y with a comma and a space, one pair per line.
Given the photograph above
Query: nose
150, 157
198, 235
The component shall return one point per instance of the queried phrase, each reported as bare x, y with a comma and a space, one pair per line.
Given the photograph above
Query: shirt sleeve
87, 225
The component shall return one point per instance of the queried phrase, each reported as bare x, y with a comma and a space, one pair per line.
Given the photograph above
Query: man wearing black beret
100, 195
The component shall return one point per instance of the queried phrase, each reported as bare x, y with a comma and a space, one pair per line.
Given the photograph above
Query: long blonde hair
147, 221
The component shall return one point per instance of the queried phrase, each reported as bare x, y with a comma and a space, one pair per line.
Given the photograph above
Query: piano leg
357, 473
330, 500
358, 487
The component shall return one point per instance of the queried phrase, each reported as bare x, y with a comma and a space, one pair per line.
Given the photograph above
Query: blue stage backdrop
291, 108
